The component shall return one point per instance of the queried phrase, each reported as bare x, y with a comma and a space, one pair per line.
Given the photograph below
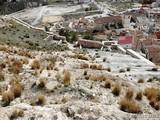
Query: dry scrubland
69, 85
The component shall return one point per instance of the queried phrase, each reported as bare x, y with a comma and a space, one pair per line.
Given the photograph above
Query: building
108, 23
126, 41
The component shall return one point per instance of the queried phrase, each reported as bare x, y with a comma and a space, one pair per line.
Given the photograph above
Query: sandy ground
35, 15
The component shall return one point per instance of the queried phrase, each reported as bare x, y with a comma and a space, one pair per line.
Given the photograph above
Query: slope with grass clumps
71, 85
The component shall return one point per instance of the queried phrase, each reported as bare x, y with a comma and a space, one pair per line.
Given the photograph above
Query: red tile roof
125, 40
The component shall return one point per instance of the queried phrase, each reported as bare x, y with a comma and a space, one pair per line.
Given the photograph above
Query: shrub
58, 76
94, 66
97, 77
16, 114
7, 97
50, 66
157, 106
42, 83
36, 64
154, 69
129, 106
152, 93
41, 100
52, 59
16, 66
1, 76
2, 65
67, 78
82, 57
109, 69
116, 89
104, 59
140, 80
84, 65
37, 73
129, 94
26, 35
85, 72
16, 89
139, 96
88, 35
122, 70
99, 67
25, 61
108, 84
128, 68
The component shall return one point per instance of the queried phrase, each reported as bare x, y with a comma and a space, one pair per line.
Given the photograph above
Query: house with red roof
126, 41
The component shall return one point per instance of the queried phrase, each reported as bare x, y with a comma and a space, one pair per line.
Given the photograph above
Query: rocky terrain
47, 85
44, 79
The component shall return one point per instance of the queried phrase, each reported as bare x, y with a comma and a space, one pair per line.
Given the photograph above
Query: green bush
88, 36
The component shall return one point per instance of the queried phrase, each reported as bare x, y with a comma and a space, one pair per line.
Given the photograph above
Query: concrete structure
89, 43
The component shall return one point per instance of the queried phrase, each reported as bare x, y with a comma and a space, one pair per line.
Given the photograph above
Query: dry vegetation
139, 96
140, 80
35, 65
66, 78
129, 94
16, 113
7, 97
100, 77
84, 65
16, 89
1, 76
16, 66
130, 106
153, 95
108, 84
41, 100
116, 89
42, 83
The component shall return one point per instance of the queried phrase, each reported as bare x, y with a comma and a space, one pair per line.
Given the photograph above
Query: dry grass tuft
16, 113
82, 57
17, 89
99, 67
25, 61
104, 59
129, 106
94, 66
84, 65
42, 83
41, 100
116, 89
139, 96
50, 66
2, 65
1, 76
140, 80
16, 66
35, 64
108, 84
152, 93
85, 72
129, 94
7, 97
67, 78
41, 69
97, 77
37, 73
